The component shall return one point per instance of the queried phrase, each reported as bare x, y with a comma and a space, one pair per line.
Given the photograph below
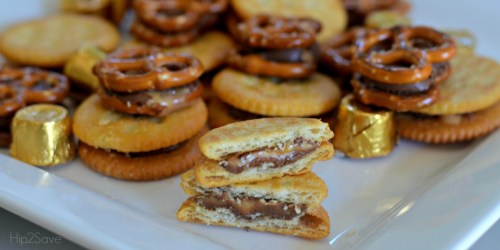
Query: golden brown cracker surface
315, 95
142, 168
107, 129
449, 129
50, 41
474, 85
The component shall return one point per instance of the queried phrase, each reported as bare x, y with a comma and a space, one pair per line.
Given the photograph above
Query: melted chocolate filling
250, 208
149, 153
404, 89
274, 157
419, 116
165, 97
307, 55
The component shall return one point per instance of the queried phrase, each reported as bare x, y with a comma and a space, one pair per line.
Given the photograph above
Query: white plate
421, 196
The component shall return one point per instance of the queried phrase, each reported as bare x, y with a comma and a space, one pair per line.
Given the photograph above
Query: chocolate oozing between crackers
148, 153
161, 102
446, 119
268, 157
296, 55
250, 208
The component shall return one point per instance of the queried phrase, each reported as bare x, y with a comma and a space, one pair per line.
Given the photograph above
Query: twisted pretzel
40, 86
383, 66
161, 38
44, 87
401, 97
168, 16
270, 32
419, 46
438, 46
394, 101
151, 70
339, 51
9, 75
11, 99
176, 15
374, 50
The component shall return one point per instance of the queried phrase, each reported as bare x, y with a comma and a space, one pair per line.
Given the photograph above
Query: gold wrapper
79, 66
41, 135
362, 132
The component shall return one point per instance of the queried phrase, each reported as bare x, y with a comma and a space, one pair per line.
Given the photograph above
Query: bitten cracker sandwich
288, 205
261, 149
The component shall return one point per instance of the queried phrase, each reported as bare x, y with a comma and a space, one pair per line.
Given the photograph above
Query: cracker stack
468, 107
257, 175
145, 121
272, 73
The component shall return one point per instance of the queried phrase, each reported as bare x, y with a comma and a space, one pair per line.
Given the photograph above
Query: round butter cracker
474, 85
50, 41
107, 129
142, 168
451, 128
315, 95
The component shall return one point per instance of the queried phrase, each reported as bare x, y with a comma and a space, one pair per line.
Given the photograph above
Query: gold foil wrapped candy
41, 135
363, 132
79, 67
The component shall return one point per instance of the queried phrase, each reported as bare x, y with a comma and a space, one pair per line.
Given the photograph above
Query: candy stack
175, 22
397, 69
400, 68
257, 175
273, 72
146, 119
